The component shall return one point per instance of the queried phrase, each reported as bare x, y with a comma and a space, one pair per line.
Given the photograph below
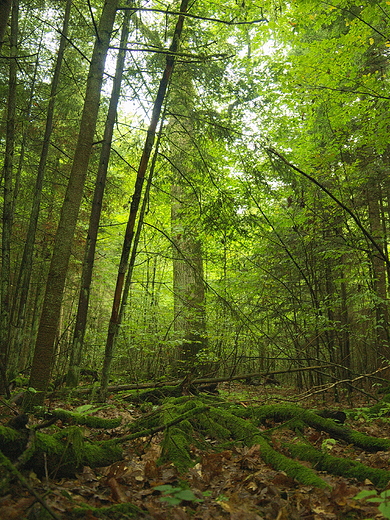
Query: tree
26, 264
90, 248
45, 343
5, 9
8, 203
188, 276
143, 164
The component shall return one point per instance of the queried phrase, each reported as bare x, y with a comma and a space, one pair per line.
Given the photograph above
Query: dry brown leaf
117, 492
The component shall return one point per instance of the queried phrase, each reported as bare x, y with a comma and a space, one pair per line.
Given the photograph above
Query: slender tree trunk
129, 233
345, 348
8, 200
23, 282
89, 255
45, 343
137, 235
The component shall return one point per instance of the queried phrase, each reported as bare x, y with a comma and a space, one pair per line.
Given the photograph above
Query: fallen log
200, 380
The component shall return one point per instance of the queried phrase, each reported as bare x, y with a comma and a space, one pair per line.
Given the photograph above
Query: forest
195, 270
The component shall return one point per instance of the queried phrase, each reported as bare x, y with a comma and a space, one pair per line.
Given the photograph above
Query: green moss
87, 420
176, 447
115, 512
239, 428
157, 395
179, 437
292, 468
12, 442
244, 430
9, 434
151, 420
339, 466
286, 412
210, 427
101, 455
62, 453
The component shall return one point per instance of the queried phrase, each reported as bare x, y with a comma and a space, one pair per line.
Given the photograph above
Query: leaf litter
231, 483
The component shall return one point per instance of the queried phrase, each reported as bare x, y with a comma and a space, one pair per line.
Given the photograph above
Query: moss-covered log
83, 419
155, 396
63, 453
200, 421
246, 432
228, 422
282, 413
339, 466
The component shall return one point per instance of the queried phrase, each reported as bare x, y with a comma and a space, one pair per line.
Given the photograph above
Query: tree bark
188, 285
45, 343
379, 282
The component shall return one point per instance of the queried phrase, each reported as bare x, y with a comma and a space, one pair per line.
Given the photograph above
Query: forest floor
230, 484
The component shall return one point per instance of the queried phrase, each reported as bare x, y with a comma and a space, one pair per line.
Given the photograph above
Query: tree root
184, 428
339, 466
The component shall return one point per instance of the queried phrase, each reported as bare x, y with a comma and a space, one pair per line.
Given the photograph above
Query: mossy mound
62, 453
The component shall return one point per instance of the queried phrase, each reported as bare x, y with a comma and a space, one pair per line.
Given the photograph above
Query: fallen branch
5, 462
329, 386
200, 380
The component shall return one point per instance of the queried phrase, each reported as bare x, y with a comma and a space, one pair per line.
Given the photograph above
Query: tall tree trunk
45, 343
129, 233
90, 248
8, 200
188, 285
24, 277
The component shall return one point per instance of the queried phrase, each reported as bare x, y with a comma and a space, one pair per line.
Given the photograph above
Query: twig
324, 388
8, 464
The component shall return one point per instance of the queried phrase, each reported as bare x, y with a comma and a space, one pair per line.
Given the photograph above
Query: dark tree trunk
5, 9
24, 277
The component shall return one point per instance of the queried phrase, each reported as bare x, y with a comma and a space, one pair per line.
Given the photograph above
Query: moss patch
339, 466
85, 420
